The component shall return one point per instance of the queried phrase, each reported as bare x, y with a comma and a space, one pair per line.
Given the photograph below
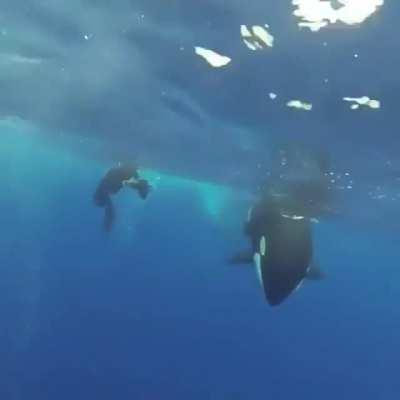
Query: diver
125, 174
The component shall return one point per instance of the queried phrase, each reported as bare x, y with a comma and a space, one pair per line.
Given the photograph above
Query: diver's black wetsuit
111, 183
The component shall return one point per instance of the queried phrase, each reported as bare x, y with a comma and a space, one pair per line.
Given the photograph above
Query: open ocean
153, 310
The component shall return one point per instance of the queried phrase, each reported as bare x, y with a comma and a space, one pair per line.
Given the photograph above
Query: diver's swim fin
243, 257
143, 187
109, 215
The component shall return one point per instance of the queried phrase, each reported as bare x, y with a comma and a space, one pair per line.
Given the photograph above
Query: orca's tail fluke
109, 215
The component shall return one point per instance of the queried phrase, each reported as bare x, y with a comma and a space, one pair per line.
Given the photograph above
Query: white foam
263, 35
317, 14
257, 37
300, 105
213, 58
364, 101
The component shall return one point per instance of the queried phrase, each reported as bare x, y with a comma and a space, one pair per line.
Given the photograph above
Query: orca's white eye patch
249, 212
263, 245
299, 285
257, 264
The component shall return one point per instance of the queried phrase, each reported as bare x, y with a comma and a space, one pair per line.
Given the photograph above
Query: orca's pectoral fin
242, 257
315, 273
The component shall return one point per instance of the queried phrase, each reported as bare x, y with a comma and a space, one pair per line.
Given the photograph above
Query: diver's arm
141, 185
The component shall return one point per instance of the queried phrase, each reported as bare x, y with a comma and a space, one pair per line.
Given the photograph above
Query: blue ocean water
153, 310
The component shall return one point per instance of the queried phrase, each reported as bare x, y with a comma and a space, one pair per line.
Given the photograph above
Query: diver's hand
130, 182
